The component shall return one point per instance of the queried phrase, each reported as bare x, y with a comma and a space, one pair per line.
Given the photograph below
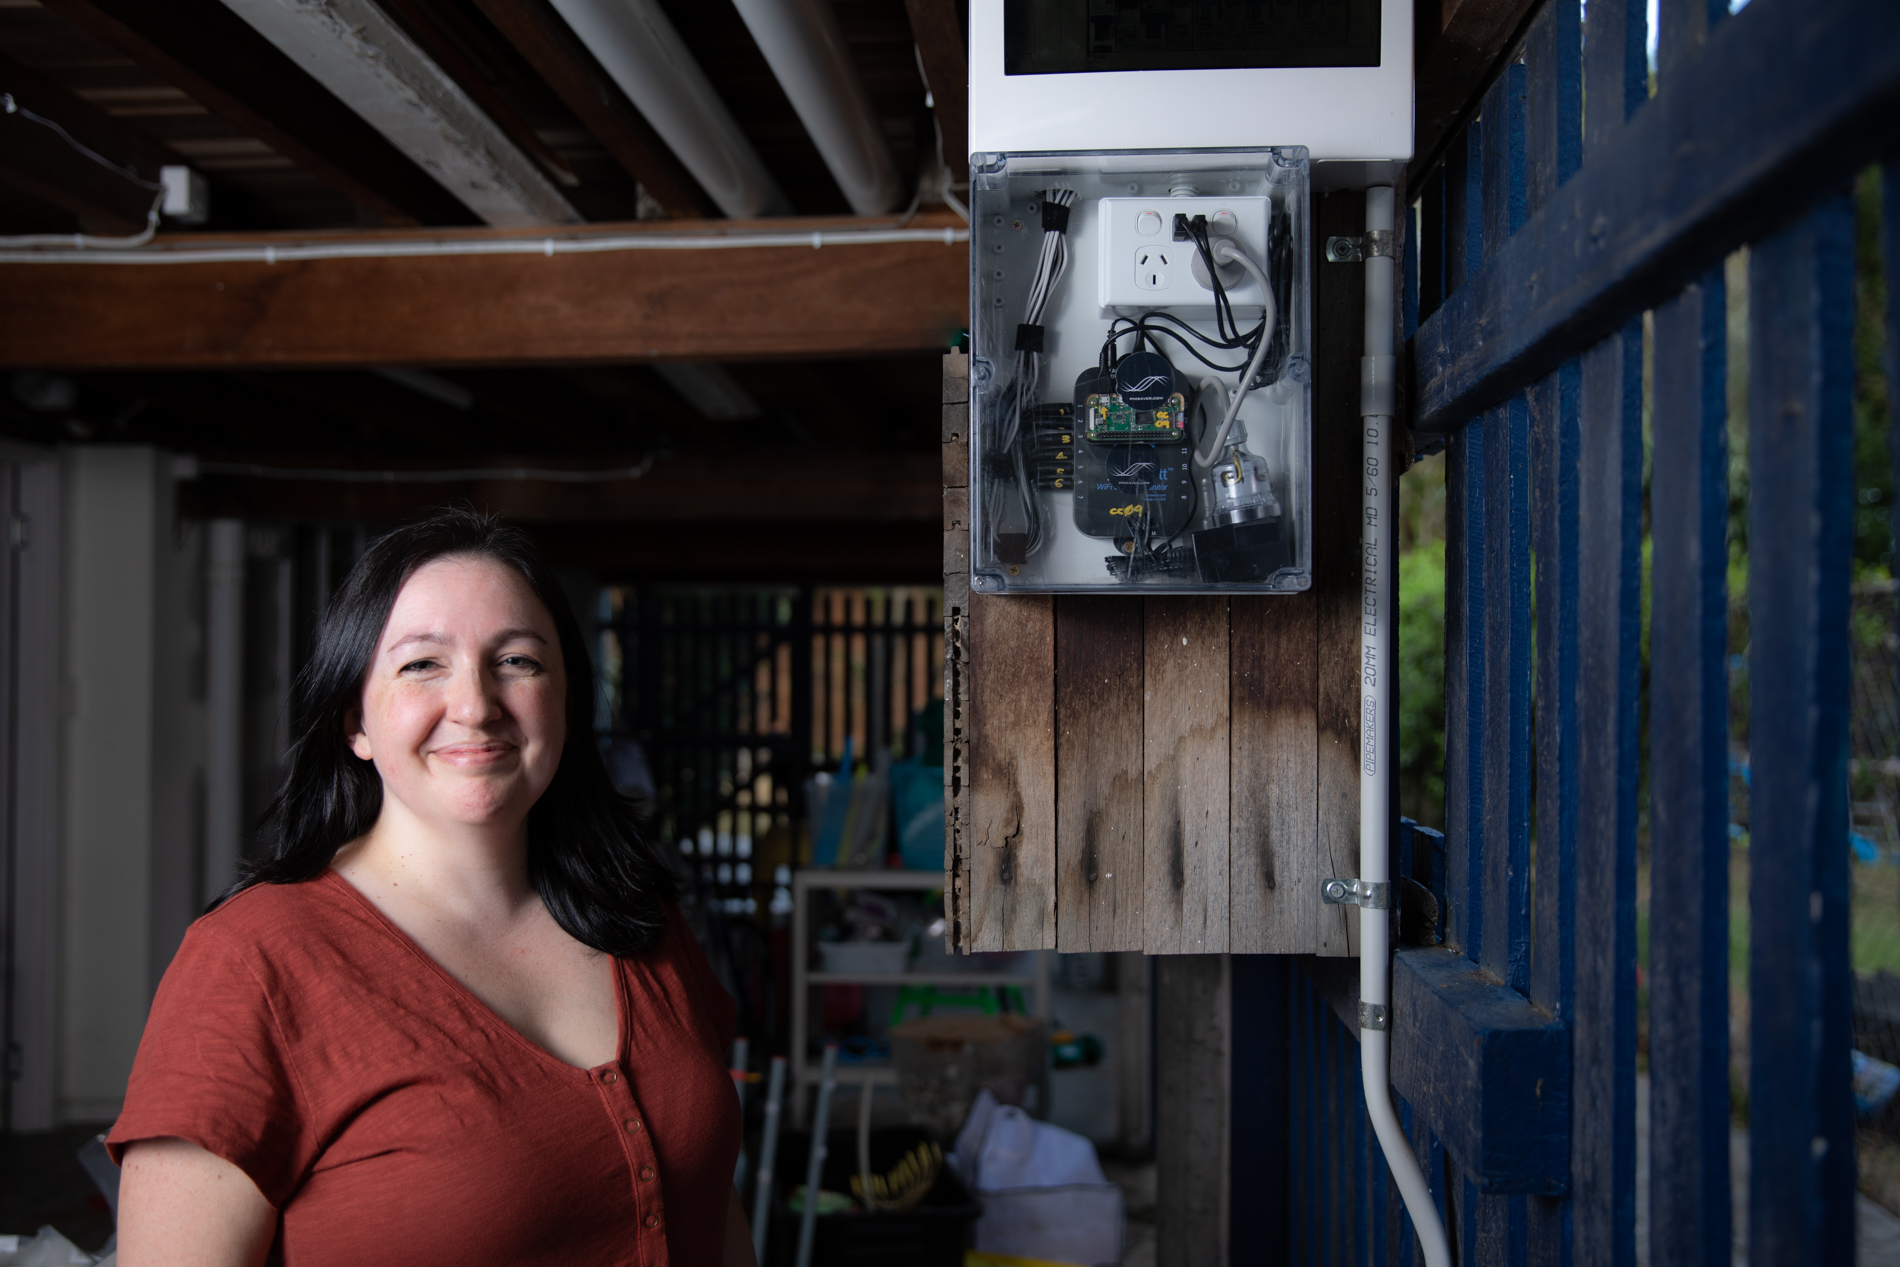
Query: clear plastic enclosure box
1141, 405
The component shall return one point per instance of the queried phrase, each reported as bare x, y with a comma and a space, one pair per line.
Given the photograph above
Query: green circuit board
1109, 417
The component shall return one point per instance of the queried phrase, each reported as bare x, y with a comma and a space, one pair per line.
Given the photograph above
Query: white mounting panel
1336, 112
1142, 266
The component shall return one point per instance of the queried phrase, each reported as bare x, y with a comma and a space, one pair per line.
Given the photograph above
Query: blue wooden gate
1571, 204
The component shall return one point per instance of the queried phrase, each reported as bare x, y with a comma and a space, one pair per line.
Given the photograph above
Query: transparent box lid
1116, 315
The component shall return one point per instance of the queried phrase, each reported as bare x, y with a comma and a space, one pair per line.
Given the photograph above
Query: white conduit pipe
802, 43
299, 252
1377, 640
638, 46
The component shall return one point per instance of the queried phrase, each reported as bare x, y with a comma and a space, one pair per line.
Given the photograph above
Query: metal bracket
1361, 893
1376, 243
1375, 1016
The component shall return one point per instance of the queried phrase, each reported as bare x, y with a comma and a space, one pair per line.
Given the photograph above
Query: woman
454, 1016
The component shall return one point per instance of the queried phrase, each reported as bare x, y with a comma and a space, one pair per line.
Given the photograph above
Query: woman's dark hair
586, 855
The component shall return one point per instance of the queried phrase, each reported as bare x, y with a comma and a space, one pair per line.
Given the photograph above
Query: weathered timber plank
1274, 863
956, 532
1184, 771
1788, 98
1487, 1069
1337, 574
1800, 529
489, 309
1193, 1115
1098, 773
1011, 854
957, 772
956, 665
956, 445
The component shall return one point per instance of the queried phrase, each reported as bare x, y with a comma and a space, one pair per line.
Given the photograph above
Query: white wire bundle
1050, 265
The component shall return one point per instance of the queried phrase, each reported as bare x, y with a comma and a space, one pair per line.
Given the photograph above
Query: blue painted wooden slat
1800, 534
1505, 944
1485, 1068
1787, 96
1688, 825
1553, 61
1603, 1016
1609, 576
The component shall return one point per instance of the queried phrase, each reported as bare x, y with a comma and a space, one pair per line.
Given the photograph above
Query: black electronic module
1133, 491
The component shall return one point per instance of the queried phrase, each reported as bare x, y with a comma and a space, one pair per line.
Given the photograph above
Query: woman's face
465, 704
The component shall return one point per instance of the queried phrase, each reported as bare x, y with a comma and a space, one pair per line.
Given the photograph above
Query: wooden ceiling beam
558, 56
695, 492
212, 55
423, 26
741, 303
363, 57
946, 58
1461, 45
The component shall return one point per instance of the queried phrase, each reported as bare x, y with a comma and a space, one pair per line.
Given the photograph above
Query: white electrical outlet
1143, 265
1154, 266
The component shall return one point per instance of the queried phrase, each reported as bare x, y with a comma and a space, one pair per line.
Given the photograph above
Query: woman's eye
417, 666
526, 664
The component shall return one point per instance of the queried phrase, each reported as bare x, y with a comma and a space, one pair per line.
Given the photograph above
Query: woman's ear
359, 740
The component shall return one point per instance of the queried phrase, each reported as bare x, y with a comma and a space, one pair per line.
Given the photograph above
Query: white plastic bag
47, 1249
1042, 1188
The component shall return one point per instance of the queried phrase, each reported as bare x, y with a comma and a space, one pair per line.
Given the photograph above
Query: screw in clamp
1375, 1016
1376, 243
1362, 893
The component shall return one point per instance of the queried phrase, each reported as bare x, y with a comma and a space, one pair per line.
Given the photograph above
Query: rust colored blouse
392, 1117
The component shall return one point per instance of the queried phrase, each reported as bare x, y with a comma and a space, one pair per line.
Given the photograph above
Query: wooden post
1193, 1070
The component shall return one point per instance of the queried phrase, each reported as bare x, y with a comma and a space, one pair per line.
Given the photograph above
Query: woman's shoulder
276, 924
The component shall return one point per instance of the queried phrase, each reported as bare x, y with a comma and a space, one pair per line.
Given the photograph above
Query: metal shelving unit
805, 1071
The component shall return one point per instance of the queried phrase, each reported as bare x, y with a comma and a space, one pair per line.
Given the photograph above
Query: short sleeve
212, 1069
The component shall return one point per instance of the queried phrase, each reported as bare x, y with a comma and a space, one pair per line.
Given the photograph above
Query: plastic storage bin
934, 1233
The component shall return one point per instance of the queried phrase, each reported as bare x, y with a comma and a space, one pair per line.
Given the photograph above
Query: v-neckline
461, 988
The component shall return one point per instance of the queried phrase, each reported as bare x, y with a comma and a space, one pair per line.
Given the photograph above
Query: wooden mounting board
1171, 774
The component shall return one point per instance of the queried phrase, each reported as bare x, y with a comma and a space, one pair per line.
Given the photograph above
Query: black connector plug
1184, 227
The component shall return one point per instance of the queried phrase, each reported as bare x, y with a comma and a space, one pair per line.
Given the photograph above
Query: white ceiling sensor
1091, 75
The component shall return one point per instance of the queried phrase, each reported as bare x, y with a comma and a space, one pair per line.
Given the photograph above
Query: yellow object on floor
976, 1258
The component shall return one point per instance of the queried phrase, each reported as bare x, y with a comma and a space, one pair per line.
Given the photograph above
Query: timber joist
708, 302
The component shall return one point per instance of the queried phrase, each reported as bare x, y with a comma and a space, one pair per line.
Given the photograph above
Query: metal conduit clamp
1370, 895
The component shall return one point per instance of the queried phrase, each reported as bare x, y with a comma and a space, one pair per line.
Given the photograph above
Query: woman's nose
472, 698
